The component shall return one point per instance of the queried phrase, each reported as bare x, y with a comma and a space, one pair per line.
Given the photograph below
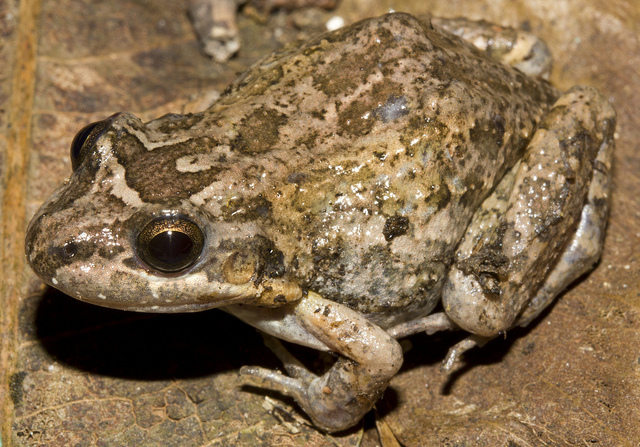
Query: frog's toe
294, 385
289, 386
327, 399
430, 324
456, 351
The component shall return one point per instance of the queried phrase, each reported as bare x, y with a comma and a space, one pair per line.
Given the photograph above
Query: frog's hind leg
487, 216
585, 247
493, 285
523, 247
582, 252
369, 357
556, 212
511, 46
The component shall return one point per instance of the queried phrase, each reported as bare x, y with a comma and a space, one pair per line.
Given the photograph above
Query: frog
397, 176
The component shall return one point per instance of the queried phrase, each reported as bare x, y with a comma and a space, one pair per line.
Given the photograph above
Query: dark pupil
170, 247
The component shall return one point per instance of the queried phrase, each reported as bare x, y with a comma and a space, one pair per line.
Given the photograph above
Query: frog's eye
83, 141
170, 244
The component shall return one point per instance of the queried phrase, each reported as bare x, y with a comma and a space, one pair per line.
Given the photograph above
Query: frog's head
126, 229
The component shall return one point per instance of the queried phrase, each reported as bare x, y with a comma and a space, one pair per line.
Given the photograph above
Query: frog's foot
301, 384
438, 322
544, 224
369, 357
456, 351
430, 324
511, 46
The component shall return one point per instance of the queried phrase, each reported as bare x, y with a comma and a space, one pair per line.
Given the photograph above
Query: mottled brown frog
337, 192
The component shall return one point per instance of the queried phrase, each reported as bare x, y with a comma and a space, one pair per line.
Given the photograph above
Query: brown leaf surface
73, 374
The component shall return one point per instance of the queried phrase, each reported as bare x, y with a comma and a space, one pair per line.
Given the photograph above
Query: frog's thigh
369, 358
502, 266
585, 247
511, 46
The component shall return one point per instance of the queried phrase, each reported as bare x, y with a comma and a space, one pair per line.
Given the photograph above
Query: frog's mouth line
167, 308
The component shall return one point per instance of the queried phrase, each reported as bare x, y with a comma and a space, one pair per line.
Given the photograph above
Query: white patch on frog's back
198, 162
221, 188
112, 176
150, 144
211, 191
119, 187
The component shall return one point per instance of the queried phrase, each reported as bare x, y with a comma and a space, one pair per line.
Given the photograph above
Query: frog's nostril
64, 252
69, 250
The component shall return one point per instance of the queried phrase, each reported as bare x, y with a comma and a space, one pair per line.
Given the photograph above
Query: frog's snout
49, 246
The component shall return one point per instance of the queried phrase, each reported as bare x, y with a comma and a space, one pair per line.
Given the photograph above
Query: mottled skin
334, 185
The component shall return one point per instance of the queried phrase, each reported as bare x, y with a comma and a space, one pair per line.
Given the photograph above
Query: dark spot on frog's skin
438, 198
280, 299
73, 251
308, 140
600, 203
49, 260
259, 131
246, 209
328, 272
327, 311
326, 253
270, 260
131, 263
354, 120
499, 125
273, 262
350, 69
473, 183
576, 147
319, 114
380, 155
487, 133
67, 251
296, 177
395, 226
489, 266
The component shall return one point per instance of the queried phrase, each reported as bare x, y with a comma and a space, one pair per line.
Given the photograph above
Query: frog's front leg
557, 204
369, 358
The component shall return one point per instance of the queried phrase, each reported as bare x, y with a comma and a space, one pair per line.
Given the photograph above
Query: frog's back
362, 155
